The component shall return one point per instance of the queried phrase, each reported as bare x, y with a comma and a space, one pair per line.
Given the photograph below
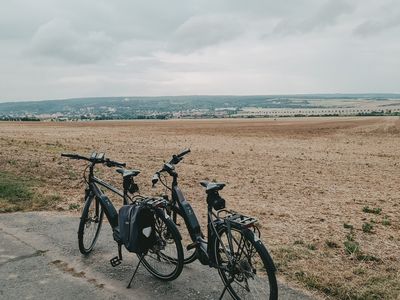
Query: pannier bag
136, 225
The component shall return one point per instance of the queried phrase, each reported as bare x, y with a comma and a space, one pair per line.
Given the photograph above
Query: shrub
375, 210
331, 244
367, 227
351, 247
386, 221
348, 226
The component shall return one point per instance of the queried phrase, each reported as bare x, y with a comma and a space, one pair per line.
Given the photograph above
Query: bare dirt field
325, 190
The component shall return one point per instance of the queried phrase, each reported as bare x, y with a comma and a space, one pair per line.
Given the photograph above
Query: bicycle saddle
212, 186
128, 173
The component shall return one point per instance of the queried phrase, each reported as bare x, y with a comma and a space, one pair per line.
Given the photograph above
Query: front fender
162, 214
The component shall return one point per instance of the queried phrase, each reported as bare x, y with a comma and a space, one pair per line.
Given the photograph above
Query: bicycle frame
204, 247
106, 204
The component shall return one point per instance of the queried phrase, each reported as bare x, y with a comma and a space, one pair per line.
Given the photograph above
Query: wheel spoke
243, 271
164, 260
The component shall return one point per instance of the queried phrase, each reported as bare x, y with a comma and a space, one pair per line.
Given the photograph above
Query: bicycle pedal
191, 246
115, 261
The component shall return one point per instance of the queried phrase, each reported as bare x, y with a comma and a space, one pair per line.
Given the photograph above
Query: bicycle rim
90, 225
246, 270
165, 259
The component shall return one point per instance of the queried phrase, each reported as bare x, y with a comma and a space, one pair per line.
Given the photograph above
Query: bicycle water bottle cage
237, 218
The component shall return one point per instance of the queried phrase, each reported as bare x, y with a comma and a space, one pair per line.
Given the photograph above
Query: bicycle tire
189, 255
89, 225
239, 278
159, 256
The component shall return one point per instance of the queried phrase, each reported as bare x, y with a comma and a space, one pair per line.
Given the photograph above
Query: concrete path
40, 259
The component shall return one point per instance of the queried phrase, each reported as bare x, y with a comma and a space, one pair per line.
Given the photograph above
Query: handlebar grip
184, 152
117, 164
70, 155
111, 163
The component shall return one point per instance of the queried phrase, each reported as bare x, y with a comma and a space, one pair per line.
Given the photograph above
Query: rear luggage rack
237, 218
156, 202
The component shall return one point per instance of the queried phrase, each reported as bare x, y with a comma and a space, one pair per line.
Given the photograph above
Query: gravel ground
39, 258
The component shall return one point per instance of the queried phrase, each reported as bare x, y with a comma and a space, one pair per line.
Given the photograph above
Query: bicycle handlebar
184, 152
74, 156
112, 163
169, 167
176, 158
106, 161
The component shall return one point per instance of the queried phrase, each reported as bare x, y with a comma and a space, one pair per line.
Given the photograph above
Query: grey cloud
324, 16
98, 47
205, 30
18, 19
57, 39
374, 26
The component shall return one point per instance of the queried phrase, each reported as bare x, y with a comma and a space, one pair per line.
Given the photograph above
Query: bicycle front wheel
244, 265
165, 259
90, 224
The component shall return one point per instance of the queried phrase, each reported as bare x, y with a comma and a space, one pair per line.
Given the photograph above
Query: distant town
193, 107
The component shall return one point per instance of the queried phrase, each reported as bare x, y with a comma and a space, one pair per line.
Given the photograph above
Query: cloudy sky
53, 49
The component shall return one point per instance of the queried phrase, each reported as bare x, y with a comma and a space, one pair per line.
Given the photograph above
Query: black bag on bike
136, 225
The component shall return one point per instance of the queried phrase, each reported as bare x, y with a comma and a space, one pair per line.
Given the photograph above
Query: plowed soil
307, 180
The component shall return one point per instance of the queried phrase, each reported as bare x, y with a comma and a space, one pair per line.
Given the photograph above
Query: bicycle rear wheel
246, 268
90, 224
165, 259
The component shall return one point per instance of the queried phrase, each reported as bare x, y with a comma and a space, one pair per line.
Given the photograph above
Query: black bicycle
233, 244
164, 258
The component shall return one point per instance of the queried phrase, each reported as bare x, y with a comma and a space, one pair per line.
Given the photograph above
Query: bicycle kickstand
134, 273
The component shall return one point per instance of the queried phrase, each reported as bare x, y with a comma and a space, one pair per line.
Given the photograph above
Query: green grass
351, 247
285, 255
74, 206
331, 244
311, 247
13, 191
348, 226
367, 227
369, 210
386, 221
18, 194
376, 287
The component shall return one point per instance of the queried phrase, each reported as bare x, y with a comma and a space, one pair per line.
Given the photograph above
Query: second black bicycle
233, 244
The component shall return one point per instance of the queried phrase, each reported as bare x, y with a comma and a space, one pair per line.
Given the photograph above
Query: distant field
326, 190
